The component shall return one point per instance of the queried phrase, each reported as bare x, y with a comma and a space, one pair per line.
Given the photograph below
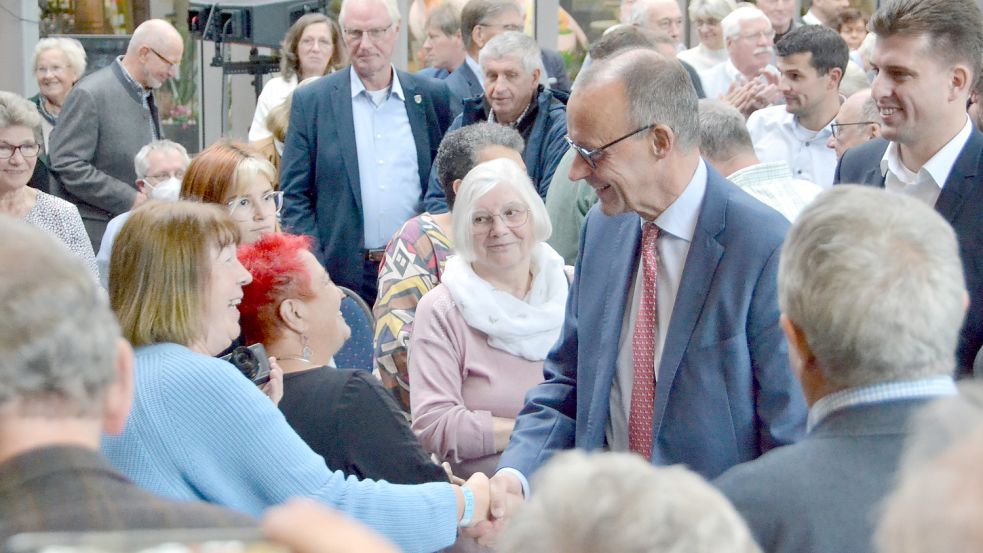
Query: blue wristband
468, 507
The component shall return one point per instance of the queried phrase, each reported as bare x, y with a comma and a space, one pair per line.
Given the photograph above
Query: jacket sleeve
297, 167
73, 147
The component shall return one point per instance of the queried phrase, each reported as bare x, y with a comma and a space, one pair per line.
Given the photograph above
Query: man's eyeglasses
505, 27
243, 207
163, 59
356, 35
26, 150
160, 177
513, 217
837, 128
593, 156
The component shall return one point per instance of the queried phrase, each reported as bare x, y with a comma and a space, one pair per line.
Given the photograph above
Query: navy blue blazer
961, 204
462, 83
322, 196
725, 392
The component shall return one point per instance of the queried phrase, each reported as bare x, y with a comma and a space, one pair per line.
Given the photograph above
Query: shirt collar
937, 167
769, 171
131, 82
879, 393
358, 87
679, 219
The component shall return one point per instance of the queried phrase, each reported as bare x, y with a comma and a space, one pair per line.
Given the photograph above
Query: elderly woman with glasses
20, 144
311, 48
706, 15
481, 336
236, 176
200, 429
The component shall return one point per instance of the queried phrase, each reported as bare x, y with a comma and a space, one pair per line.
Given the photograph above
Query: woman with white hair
706, 15
480, 337
59, 62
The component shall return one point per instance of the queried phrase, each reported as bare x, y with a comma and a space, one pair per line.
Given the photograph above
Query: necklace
294, 358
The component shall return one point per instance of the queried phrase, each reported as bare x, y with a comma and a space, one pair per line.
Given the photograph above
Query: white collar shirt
926, 184
778, 136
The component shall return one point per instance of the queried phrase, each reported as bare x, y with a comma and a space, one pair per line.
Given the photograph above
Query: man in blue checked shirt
872, 295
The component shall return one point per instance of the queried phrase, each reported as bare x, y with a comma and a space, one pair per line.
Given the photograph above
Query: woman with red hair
293, 308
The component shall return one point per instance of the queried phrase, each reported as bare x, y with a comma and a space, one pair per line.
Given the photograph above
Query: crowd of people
737, 281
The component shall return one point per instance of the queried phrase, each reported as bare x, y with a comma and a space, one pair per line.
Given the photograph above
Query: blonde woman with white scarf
480, 337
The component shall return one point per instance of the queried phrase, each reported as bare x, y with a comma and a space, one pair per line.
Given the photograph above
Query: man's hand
505, 500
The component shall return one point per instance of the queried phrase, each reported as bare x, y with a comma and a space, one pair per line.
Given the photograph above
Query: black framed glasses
356, 35
504, 26
26, 150
837, 127
163, 59
593, 156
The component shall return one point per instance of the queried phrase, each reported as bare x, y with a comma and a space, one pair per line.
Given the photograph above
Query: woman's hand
478, 484
274, 388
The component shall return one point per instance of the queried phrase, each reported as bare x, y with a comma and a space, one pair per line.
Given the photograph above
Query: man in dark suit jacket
68, 377
930, 148
359, 149
671, 346
872, 299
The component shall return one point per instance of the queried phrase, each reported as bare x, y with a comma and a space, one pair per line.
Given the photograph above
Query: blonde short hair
480, 181
160, 268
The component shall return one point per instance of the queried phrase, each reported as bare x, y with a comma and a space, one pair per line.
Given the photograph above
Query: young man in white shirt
812, 60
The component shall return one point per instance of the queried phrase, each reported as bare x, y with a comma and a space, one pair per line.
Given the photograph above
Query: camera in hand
252, 362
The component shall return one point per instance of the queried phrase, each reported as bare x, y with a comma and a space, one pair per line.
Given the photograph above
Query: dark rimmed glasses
593, 156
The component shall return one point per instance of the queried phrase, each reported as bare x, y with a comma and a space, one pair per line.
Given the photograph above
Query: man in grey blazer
872, 296
106, 119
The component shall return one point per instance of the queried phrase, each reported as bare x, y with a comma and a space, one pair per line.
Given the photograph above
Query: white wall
18, 35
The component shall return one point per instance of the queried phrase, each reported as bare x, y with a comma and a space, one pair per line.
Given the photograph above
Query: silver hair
72, 48
936, 507
600, 502
723, 131
141, 162
57, 333
717, 9
391, 8
480, 181
731, 25
658, 90
513, 44
17, 111
874, 281
640, 12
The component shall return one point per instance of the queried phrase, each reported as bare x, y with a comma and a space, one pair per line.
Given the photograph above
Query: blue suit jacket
961, 204
462, 83
319, 168
725, 393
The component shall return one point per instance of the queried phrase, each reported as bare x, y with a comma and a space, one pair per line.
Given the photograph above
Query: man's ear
456, 185
536, 74
118, 396
141, 186
662, 140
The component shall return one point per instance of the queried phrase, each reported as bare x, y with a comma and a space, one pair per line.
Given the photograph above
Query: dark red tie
643, 349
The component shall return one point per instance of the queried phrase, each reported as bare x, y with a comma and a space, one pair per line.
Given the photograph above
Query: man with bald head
855, 123
671, 347
105, 121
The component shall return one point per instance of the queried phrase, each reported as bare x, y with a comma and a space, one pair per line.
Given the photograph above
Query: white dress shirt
677, 225
388, 170
778, 136
927, 183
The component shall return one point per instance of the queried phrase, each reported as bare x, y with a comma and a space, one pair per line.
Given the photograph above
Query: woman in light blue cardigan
199, 429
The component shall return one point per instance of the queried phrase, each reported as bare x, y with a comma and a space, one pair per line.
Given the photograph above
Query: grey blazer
102, 126
823, 494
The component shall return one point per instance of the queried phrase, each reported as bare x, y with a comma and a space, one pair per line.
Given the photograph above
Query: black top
347, 417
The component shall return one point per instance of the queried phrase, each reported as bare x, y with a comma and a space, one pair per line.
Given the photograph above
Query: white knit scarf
525, 328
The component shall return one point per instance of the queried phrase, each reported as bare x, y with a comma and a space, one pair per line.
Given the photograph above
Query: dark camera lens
245, 360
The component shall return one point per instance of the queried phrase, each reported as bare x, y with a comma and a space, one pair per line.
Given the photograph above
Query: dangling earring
305, 352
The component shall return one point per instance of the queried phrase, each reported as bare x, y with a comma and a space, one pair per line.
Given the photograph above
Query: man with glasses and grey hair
857, 122
748, 36
671, 348
107, 117
515, 97
358, 149
872, 296
66, 377
159, 167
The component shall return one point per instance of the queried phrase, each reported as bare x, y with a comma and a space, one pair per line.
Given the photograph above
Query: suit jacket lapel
345, 121
701, 264
418, 124
961, 178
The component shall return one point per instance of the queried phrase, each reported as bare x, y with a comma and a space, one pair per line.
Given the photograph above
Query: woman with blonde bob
234, 175
481, 336
199, 429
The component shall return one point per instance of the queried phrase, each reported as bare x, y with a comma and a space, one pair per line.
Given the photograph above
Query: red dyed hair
278, 274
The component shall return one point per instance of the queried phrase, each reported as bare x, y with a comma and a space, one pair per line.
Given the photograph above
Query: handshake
495, 502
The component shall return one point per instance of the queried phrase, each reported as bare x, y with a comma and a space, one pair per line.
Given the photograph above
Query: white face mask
167, 190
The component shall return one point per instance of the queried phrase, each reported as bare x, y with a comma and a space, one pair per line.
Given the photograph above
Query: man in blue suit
872, 296
927, 55
359, 148
671, 346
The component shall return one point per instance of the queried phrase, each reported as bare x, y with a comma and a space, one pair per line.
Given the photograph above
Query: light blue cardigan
200, 430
